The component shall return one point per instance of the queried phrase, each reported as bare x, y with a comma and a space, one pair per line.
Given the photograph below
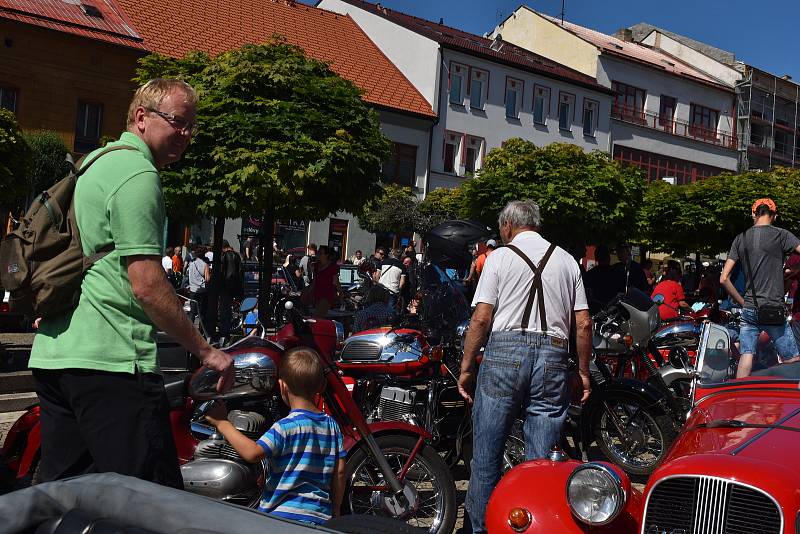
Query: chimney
626, 34
786, 77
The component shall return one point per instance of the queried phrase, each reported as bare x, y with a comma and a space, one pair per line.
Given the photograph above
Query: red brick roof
471, 43
74, 16
174, 27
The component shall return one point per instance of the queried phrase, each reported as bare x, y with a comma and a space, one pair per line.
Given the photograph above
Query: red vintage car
733, 469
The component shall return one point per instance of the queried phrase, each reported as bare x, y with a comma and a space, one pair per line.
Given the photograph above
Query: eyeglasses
181, 125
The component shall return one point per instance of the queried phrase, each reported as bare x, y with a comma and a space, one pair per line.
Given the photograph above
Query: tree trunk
216, 276
265, 265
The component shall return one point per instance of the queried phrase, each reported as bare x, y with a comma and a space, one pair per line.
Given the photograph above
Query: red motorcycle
391, 470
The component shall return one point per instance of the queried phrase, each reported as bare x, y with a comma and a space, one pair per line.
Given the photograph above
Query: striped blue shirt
302, 449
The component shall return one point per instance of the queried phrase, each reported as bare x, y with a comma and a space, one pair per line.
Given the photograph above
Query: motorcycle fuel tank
390, 347
225, 480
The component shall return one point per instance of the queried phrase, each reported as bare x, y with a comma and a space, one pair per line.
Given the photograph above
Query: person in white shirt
529, 294
166, 262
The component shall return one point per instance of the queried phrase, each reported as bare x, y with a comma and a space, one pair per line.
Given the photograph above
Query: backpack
41, 261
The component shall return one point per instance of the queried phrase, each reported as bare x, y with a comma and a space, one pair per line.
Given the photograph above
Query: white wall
416, 56
494, 127
686, 92
694, 58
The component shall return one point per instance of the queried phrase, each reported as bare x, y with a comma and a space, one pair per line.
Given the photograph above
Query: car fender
549, 510
385, 427
32, 451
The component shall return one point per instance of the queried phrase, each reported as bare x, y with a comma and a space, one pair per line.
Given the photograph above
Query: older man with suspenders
529, 294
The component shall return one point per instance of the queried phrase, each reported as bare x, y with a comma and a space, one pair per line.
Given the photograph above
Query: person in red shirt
326, 281
672, 291
491, 245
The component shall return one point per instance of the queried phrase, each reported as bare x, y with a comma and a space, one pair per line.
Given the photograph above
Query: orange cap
765, 201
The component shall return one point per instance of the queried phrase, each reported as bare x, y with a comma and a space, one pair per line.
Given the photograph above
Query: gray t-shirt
306, 264
766, 248
197, 282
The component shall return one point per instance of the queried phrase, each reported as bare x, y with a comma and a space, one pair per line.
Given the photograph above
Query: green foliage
275, 129
394, 210
15, 157
584, 197
705, 216
440, 205
48, 161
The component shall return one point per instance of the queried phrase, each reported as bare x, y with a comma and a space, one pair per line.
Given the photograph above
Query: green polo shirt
118, 200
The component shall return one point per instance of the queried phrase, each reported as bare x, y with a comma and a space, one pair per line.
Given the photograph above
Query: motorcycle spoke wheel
434, 512
643, 443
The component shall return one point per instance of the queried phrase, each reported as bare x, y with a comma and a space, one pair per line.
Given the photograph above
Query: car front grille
708, 505
361, 350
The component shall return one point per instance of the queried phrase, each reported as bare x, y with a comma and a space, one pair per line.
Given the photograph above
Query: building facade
767, 119
69, 70
484, 91
669, 118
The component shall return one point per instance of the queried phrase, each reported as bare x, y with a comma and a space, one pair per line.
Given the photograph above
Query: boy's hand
217, 414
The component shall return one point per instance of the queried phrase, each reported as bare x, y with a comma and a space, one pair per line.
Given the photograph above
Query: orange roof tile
214, 26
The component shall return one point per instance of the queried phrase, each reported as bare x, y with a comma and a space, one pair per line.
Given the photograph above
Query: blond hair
151, 94
302, 371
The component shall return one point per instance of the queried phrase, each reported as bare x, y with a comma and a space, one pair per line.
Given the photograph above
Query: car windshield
717, 359
348, 276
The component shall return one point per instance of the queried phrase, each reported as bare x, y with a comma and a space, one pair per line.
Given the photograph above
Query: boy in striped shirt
304, 449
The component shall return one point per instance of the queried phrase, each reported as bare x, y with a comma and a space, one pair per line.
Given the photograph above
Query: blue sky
763, 34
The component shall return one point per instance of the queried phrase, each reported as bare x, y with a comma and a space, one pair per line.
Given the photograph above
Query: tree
278, 133
48, 159
584, 197
15, 159
394, 210
440, 205
706, 215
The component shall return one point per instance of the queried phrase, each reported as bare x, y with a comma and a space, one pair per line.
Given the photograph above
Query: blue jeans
781, 335
521, 374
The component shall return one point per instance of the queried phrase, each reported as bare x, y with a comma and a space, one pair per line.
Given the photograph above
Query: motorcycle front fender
386, 427
671, 373
25, 430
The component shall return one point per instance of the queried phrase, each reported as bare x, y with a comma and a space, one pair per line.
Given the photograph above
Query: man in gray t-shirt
307, 264
761, 251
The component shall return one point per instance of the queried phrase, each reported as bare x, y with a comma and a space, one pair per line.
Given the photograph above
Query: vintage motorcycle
632, 419
391, 469
410, 373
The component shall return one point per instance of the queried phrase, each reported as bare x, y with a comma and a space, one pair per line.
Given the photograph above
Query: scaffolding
767, 121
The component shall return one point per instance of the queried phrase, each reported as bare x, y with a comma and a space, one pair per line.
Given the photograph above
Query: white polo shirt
506, 280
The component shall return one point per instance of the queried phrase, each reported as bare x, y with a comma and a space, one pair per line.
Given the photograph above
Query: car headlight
595, 494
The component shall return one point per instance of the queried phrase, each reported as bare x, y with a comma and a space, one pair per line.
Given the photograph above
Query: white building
668, 117
484, 91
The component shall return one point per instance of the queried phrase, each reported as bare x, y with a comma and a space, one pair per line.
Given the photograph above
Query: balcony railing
654, 121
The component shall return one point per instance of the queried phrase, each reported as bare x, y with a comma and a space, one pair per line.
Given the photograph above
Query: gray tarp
134, 502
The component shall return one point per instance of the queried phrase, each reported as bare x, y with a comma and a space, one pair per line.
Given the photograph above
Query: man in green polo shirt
103, 402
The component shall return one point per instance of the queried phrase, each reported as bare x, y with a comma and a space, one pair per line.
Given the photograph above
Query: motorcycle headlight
595, 494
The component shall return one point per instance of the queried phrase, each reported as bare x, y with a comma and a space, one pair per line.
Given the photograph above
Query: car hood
769, 407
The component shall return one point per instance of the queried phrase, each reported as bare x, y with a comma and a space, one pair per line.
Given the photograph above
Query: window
458, 74
590, 114
401, 168
474, 155
478, 88
628, 100
452, 143
541, 104
658, 166
566, 110
666, 113
8, 98
514, 90
87, 128
703, 122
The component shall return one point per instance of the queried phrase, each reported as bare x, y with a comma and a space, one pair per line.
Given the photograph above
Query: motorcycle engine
396, 404
218, 471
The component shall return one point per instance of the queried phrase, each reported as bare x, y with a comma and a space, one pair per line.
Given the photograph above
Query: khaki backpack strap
536, 287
